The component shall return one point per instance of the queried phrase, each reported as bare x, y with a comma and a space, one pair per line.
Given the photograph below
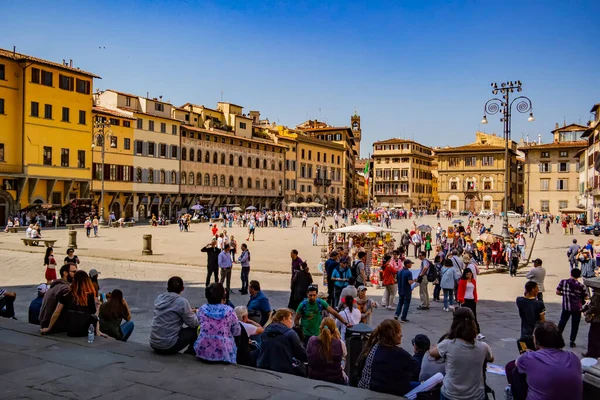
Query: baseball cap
42, 289
362, 288
93, 272
408, 261
422, 342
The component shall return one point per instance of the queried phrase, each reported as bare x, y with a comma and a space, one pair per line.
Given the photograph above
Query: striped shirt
573, 294
2, 291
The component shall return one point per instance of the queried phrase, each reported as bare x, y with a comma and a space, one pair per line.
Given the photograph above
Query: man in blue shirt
330, 265
225, 265
340, 276
405, 280
258, 305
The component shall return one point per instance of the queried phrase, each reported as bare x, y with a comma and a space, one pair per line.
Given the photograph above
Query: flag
366, 171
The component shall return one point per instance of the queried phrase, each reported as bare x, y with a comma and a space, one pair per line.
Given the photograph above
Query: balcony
470, 189
322, 182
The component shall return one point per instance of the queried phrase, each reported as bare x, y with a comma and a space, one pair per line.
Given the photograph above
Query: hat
93, 272
42, 289
537, 261
408, 261
422, 342
362, 288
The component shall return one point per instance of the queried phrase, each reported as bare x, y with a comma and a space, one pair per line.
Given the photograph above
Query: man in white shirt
220, 242
28, 231
252, 328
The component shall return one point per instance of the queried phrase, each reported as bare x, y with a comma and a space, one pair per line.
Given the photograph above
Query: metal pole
102, 190
505, 231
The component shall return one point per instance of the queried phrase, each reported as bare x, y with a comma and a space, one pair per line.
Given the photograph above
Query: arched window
230, 181
264, 164
163, 176
470, 184
222, 158
222, 180
281, 185
150, 175
488, 183
453, 183
240, 161
257, 163
207, 157
273, 184
231, 159
192, 155
257, 183
199, 155
265, 184
249, 162
138, 174
199, 179
191, 180
184, 178
215, 180
215, 158
249, 183
173, 177
280, 165
240, 182
206, 180
183, 154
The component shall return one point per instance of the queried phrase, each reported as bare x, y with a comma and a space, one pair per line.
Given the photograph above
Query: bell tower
355, 126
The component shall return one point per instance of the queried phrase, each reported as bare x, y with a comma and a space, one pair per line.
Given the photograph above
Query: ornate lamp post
101, 133
504, 105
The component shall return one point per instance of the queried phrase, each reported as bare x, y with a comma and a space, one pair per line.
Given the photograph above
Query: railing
322, 182
11, 168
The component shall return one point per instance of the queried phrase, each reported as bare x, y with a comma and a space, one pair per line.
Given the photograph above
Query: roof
199, 106
23, 57
147, 113
469, 147
397, 140
114, 113
231, 135
136, 96
231, 104
595, 107
570, 127
555, 145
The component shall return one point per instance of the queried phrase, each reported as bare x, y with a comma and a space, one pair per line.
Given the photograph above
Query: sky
418, 70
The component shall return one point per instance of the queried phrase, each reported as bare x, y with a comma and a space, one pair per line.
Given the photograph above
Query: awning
572, 210
144, 200
167, 201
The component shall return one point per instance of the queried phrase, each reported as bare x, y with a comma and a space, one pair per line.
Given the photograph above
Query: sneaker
480, 336
421, 308
396, 317
403, 320
572, 344
445, 309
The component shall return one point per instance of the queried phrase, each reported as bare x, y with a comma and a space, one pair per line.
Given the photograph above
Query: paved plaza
117, 255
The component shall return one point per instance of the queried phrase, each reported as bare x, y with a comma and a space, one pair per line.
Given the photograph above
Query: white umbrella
292, 204
250, 208
313, 204
361, 228
303, 205
236, 209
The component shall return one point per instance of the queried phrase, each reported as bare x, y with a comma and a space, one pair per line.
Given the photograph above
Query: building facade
471, 177
589, 164
45, 134
551, 171
402, 174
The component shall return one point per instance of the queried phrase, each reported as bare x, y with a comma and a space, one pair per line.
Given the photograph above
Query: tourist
225, 266
365, 305
296, 262
233, 247
310, 313
574, 295
87, 225
467, 296
549, 373
405, 281
218, 326
359, 266
349, 290
258, 305
431, 365
111, 315
416, 240
385, 366
389, 283
252, 328
437, 268
212, 264
330, 265
512, 258
538, 275
36, 304
350, 313
244, 261
51, 304
421, 345
7, 304
587, 265
171, 311
251, 229
94, 277
315, 233
71, 258
531, 311
449, 279
340, 277
521, 243
471, 264
95, 225
592, 316
281, 349
423, 281
572, 252
220, 241
50, 264
465, 358
326, 353
300, 283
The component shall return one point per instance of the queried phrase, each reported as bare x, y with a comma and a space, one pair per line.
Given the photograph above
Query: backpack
354, 268
432, 272
405, 239
304, 304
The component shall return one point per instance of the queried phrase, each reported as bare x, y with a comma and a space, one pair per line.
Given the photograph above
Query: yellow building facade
45, 135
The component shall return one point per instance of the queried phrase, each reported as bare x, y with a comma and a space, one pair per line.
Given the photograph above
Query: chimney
539, 138
14, 51
71, 62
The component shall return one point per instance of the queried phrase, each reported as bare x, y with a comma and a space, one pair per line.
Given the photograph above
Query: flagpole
368, 182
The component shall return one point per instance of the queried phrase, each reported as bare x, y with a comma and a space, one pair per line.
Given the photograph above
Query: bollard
72, 239
147, 245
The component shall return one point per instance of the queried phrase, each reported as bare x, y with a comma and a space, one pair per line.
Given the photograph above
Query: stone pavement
142, 281
59, 367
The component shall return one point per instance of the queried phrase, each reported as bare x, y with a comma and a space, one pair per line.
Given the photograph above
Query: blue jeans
314, 242
403, 301
448, 295
127, 329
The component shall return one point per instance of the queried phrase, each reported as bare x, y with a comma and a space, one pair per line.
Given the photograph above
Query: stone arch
183, 154
192, 155
222, 158
207, 157
199, 155
199, 179
7, 206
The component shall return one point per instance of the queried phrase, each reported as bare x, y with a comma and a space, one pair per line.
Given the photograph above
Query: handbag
589, 317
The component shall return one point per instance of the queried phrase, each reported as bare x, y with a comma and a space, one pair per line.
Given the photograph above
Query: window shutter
178, 152
156, 176
170, 151
144, 175
178, 178
144, 148
106, 172
167, 177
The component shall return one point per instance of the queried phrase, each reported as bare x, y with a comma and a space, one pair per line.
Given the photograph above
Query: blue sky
414, 69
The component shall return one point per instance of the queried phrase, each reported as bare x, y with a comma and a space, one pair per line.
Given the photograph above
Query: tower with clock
355, 125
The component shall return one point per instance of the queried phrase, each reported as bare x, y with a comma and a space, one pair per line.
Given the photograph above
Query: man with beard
51, 304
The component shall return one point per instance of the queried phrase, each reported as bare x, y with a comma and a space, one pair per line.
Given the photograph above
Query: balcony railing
11, 168
322, 182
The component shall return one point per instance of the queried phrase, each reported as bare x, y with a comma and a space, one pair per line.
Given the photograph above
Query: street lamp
504, 105
101, 133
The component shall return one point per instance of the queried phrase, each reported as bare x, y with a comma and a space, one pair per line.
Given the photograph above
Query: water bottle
91, 332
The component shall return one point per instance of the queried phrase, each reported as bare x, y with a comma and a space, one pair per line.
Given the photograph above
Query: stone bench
13, 229
129, 224
114, 224
36, 241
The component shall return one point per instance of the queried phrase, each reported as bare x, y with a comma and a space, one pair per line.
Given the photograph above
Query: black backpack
354, 268
431, 272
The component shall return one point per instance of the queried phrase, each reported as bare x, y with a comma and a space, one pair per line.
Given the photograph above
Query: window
183, 154
151, 125
151, 175
302, 188
240, 161
159, 107
138, 175
151, 149
487, 185
222, 158
163, 150
113, 172
544, 184
46, 78
114, 121
140, 123
249, 183
65, 114
1, 106
128, 101
545, 167
470, 161
183, 178
562, 204
191, 179
1, 152
2, 72
48, 111
215, 158
97, 171
82, 117
139, 147
487, 161
35, 75
174, 177
127, 124
207, 180
82, 86
163, 127
47, 155
545, 154
242, 125
545, 206
222, 180
562, 184
453, 161
80, 158
35, 109
126, 173
302, 154
563, 167
65, 82
563, 154
199, 155
64, 157
310, 154
215, 180
453, 185
173, 151
174, 129
453, 205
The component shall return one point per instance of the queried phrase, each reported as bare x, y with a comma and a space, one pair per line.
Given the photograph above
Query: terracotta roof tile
147, 113
398, 140
555, 145
114, 113
469, 147
23, 57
